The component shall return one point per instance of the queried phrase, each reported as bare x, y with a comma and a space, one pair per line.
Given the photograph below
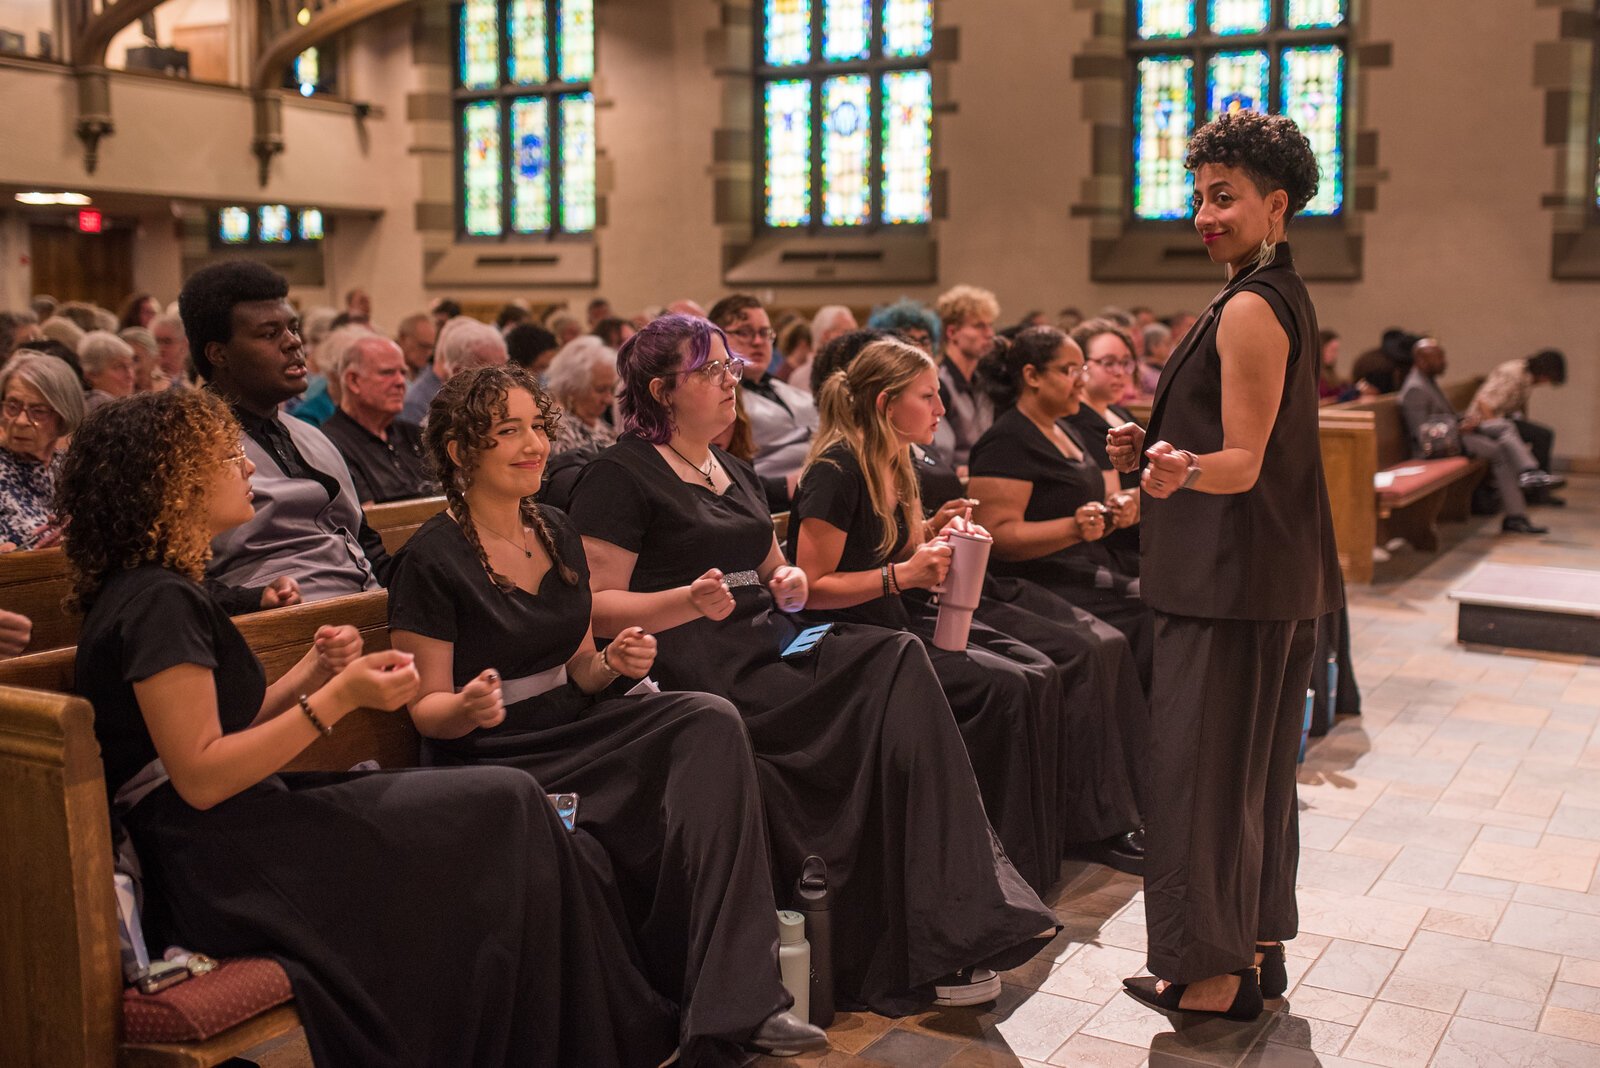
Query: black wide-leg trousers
1227, 707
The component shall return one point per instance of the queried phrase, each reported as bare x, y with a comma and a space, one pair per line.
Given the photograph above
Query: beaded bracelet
305, 706
605, 662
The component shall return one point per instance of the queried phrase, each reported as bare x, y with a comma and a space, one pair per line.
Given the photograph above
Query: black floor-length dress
1106, 729
1085, 573
859, 757
424, 917
1006, 696
665, 781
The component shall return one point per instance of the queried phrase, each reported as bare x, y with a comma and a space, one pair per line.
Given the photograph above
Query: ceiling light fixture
77, 200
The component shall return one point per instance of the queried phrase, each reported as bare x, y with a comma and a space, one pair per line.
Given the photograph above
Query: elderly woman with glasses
582, 380
1108, 357
108, 367
41, 404
1042, 495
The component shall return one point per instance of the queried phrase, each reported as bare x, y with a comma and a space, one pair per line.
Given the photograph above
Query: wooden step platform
1550, 609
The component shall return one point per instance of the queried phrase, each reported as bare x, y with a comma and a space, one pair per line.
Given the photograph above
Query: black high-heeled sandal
1274, 970
1246, 1002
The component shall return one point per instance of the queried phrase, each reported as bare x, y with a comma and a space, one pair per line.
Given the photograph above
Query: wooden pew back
396, 521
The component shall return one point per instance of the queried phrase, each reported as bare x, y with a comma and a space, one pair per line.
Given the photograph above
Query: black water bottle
813, 899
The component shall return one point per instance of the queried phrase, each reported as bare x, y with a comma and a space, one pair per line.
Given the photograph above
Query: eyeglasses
38, 414
749, 334
1078, 371
712, 370
238, 459
1127, 367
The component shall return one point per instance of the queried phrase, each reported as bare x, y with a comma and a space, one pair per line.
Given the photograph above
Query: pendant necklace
704, 472
524, 546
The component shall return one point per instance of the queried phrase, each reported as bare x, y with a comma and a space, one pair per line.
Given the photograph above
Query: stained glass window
577, 145
233, 225
527, 120
1314, 14
480, 44
1237, 82
1194, 60
907, 27
1240, 16
1164, 18
530, 57
480, 166
272, 224
311, 224
307, 71
846, 113
788, 115
1165, 107
1313, 96
788, 36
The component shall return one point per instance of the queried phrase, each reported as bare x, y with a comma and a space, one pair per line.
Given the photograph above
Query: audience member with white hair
107, 366
463, 343
41, 404
383, 452
146, 371
583, 381
172, 349
314, 405
64, 330
564, 325
831, 321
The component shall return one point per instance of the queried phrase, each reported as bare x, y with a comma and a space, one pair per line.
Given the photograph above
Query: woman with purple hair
858, 755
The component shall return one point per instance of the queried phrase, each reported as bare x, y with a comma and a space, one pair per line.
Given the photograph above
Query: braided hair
465, 412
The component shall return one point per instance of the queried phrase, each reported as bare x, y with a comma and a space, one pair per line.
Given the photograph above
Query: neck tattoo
704, 472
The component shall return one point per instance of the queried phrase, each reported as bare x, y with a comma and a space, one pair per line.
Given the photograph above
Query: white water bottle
794, 960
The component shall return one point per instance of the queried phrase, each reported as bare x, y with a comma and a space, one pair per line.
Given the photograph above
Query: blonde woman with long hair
857, 530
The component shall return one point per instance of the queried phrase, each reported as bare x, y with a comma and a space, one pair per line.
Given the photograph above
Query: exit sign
90, 221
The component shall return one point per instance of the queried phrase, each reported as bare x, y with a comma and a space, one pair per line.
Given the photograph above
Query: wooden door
69, 265
208, 51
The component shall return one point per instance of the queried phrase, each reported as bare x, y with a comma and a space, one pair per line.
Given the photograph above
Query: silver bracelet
605, 662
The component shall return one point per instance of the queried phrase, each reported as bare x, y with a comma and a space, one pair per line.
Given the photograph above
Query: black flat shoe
1124, 852
783, 1034
1274, 970
1520, 524
1246, 1003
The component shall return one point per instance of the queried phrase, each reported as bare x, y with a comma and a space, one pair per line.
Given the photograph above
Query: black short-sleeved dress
1006, 696
424, 917
666, 781
1086, 573
1092, 428
859, 757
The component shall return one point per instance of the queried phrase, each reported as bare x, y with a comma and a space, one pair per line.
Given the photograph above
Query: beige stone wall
1457, 241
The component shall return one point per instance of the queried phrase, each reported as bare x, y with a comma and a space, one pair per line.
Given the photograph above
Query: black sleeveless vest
1268, 553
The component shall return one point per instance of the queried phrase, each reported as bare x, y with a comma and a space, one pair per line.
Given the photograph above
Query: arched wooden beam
332, 18
92, 40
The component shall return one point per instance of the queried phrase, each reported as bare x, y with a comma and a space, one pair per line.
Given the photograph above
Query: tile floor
1449, 897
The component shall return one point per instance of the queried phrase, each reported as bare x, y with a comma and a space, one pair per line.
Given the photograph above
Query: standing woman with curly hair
1238, 563
492, 598
423, 917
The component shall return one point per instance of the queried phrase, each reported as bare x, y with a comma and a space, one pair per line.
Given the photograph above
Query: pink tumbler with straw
963, 585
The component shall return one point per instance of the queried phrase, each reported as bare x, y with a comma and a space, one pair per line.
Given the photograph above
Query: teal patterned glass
481, 167
1312, 87
1163, 116
1236, 81
530, 165
233, 225
788, 156
846, 150
1239, 16
480, 44
847, 29
575, 40
788, 32
907, 147
1160, 19
1313, 14
907, 28
577, 163
530, 47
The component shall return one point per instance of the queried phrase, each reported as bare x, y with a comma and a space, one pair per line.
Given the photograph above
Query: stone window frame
755, 255
1125, 249
1567, 68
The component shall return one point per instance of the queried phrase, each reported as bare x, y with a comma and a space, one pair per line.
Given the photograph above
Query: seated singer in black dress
1109, 367
859, 758
1239, 562
492, 598
869, 557
424, 917
1041, 496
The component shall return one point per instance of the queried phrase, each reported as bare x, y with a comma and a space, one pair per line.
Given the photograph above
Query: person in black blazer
1238, 563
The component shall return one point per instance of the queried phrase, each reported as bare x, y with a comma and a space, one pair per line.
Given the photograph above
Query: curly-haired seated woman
1109, 365
858, 532
1106, 710
858, 755
1042, 497
41, 404
1239, 562
492, 597
424, 917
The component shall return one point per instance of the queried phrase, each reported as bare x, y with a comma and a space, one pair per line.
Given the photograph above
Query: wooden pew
34, 583
61, 990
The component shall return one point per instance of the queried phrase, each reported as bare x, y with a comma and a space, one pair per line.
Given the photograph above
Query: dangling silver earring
1269, 248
